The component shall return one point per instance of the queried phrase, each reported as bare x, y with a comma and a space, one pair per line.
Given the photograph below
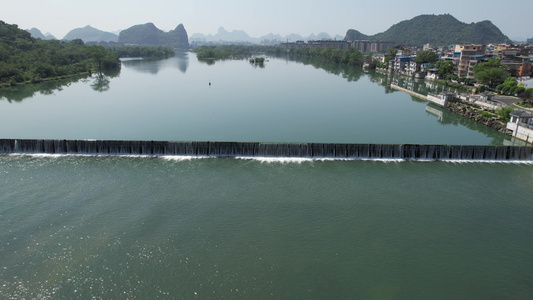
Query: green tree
391, 54
24, 59
526, 95
426, 56
445, 68
490, 73
492, 76
505, 113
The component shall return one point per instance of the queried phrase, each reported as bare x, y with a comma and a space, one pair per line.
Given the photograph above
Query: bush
505, 90
505, 113
487, 114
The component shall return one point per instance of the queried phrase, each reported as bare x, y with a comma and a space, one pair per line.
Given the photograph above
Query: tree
526, 95
391, 54
492, 76
490, 73
103, 58
505, 113
445, 67
426, 56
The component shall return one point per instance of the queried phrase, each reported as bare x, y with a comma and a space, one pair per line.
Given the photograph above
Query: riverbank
41, 80
469, 110
476, 113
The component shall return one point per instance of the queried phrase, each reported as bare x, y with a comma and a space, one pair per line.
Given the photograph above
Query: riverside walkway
423, 97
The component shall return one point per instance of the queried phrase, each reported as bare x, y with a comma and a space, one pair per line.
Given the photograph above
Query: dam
253, 149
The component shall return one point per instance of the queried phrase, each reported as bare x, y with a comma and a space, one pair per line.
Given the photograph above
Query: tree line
25, 59
223, 52
351, 57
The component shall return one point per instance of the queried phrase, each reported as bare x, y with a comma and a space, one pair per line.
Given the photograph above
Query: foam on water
282, 160
470, 161
183, 157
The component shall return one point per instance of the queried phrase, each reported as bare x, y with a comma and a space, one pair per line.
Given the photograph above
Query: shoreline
8, 85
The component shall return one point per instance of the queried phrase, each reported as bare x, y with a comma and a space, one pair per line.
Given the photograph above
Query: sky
258, 18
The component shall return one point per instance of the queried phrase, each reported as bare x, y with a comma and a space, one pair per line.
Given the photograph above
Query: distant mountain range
36, 33
90, 34
149, 34
436, 30
240, 36
433, 29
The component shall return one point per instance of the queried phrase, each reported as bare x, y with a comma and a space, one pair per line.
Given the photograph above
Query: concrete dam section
250, 149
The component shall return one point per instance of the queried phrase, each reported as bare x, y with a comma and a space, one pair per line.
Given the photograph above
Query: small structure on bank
521, 124
486, 100
487, 97
442, 99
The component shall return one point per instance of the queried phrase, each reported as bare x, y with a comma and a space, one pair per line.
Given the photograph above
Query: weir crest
251, 149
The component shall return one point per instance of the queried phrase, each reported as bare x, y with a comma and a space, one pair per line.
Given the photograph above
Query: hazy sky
259, 18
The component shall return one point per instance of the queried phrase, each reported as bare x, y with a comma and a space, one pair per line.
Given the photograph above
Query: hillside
90, 34
435, 30
25, 59
149, 34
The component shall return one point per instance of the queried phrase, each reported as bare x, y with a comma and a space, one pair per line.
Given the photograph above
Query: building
520, 66
474, 60
521, 124
467, 51
327, 43
402, 64
432, 74
366, 46
363, 46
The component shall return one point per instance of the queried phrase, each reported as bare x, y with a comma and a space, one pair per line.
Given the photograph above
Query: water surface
148, 228
285, 101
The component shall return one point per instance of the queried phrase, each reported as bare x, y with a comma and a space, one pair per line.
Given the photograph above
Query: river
87, 227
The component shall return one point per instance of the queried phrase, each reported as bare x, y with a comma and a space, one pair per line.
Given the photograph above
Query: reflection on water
447, 117
287, 101
416, 85
102, 80
207, 61
99, 82
350, 73
152, 66
142, 65
183, 60
22, 92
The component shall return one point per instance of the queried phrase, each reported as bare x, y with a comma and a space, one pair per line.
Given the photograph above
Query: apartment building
465, 64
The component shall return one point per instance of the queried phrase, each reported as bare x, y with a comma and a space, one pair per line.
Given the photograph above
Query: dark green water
147, 228
82, 227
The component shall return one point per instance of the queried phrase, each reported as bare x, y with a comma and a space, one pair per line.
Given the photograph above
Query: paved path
507, 100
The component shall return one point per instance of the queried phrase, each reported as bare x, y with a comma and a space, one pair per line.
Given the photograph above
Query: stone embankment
474, 113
